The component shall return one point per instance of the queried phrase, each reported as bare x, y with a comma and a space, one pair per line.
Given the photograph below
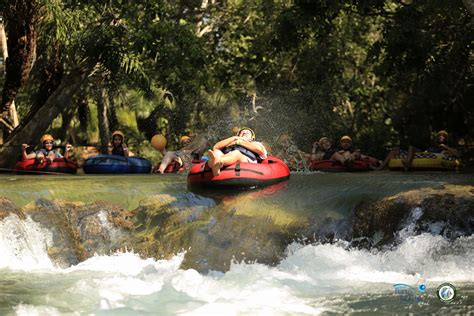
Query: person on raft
407, 156
346, 153
322, 150
242, 147
118, 146
46, 151
441, 147
183, 156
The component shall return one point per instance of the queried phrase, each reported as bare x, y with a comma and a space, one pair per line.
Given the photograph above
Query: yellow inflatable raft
428, 161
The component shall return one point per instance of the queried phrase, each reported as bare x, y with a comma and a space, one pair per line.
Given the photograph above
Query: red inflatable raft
59, 165
335, 166
242, 175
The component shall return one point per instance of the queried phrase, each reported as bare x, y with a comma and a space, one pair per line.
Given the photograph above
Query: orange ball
158, 142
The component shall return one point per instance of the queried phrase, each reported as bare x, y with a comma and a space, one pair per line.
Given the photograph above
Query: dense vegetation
386, 72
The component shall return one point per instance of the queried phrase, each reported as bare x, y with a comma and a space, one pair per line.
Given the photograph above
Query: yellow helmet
322, 139
249, 129
118, 133
345, 137
443, 132
184, 138
46, 137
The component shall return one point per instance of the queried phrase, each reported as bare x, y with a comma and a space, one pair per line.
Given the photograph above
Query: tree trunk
40, 121
102, 110
12, 113
21, 18
51, 76
112, 114
83, 112
67, 116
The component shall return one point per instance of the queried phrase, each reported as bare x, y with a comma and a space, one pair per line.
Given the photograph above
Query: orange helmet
46, 137
184, 138
345, 137
118, 133
249, 129
443, 132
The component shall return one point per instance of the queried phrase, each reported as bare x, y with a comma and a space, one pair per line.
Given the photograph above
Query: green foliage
385, 72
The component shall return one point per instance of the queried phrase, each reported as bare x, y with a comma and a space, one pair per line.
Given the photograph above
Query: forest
389, 73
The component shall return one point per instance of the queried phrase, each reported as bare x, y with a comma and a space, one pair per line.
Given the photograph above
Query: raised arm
125, 150
225, 142
24, 155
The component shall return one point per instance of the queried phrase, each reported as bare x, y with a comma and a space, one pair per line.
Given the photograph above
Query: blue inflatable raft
111, 164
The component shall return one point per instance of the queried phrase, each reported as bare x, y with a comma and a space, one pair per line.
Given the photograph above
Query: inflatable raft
242, 175
113, 164
427, 161
34, 166
335, 166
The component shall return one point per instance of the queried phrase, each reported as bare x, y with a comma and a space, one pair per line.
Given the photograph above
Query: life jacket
328, 154
118, 151
244, 151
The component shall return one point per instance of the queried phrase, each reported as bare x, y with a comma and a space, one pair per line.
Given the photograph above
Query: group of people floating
243, 147
346, 153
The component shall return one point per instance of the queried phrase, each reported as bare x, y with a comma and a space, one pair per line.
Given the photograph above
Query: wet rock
7, 207
164, 223
231, 236
446, 210
212, 235
80, 230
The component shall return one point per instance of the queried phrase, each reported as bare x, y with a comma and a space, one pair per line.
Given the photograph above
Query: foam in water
23, 244
312, 279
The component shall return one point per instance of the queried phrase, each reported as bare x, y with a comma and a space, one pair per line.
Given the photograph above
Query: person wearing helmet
190, 149
46, 151
346, 154
322, 150
440, 145
118, 146
407, 156
241, 147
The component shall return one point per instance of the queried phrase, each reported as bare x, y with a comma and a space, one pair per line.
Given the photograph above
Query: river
312, 278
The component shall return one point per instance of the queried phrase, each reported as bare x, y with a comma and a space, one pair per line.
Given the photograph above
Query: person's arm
66, 150
24, 155
451, 151
314, 156
252, 146
225, 142
125, 150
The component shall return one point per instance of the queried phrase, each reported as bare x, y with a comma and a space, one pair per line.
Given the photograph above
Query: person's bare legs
409, 158
168, 158
217, 160
214, 161
392, 154
50, 158
338, 157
